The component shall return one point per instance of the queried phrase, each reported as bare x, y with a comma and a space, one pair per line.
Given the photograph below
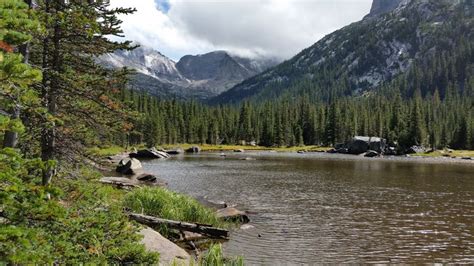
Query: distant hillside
199, 76
402, 38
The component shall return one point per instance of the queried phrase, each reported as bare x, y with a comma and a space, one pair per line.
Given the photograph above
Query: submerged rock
129, 166
232, 214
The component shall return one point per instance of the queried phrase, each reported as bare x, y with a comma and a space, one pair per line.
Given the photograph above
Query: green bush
69, 222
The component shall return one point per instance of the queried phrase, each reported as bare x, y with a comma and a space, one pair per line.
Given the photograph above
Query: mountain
380, 7
394, 39
193, 76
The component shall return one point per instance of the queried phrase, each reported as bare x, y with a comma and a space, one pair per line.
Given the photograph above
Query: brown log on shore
207, 230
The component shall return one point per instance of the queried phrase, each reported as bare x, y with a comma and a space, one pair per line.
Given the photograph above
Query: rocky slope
199, 76
365, 55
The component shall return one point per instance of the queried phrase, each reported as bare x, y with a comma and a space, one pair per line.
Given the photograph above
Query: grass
106, 151
208, 147
166, 204
453, 153
215, 257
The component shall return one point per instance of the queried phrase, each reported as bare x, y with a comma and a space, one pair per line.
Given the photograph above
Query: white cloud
279, 28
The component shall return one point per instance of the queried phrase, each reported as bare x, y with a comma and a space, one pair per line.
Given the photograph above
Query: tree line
429, 120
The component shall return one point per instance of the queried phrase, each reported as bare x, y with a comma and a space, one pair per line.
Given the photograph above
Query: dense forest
427, 120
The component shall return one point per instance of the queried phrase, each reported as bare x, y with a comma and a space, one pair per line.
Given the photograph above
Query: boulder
151, 153
145, 177
232, 214
371, 154
194, 149
391, 151
239, 150
170, 253
361, 144
129, 166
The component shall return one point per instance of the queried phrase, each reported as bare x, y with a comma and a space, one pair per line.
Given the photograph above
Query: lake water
319, 208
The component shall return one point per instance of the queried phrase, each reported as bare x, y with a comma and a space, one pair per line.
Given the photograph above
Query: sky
273, 28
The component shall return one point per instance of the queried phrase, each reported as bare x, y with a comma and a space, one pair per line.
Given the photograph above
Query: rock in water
371, 154
129, 166
170, 253
151, 153
232, 214
194, 149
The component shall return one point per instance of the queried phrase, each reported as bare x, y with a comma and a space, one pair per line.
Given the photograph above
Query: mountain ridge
193, 76
363, 55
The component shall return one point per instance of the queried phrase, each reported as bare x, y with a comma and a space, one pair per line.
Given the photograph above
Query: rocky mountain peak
380, 7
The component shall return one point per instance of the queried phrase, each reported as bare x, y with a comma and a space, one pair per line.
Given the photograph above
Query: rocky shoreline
130, 175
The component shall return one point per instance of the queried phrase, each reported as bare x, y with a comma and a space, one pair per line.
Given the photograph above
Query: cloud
279, 28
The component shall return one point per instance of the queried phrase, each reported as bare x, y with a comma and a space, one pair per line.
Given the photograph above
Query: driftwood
184, 226
119, 182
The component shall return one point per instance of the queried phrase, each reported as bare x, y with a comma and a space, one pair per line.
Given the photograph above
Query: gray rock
129, 166
169, 252
380, 7
151, 153
361, 144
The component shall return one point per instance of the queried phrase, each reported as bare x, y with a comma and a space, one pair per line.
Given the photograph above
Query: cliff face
383, 6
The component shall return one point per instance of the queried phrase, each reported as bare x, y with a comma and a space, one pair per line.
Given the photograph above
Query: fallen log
207, 230
119, 182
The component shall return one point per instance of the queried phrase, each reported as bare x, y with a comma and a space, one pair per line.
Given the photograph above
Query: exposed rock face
365, 54
383, 6
198, 76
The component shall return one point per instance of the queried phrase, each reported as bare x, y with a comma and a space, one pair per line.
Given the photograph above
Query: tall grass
215, 257
166, 204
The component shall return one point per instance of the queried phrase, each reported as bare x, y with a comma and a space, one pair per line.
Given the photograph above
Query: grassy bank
166, 204
446, 153
113, 150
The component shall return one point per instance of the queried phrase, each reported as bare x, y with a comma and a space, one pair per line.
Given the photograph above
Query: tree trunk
50, 90
183, 226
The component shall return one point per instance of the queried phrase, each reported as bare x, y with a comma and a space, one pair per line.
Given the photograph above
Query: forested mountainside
403, 74
193, 76
424, 44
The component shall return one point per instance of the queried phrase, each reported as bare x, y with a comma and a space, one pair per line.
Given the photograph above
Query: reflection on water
324, 208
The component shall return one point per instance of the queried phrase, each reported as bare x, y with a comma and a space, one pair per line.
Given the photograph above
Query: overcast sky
279, 28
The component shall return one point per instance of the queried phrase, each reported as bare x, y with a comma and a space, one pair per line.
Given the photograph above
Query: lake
322, 208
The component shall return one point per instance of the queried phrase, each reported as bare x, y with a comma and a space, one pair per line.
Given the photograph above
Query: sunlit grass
441, 153
208, 147
215, 257
166, 204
